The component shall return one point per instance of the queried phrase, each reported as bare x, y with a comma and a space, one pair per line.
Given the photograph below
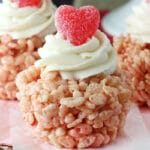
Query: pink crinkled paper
13, 130
4, 122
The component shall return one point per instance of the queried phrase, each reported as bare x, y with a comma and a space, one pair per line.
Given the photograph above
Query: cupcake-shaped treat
73, 97
134, 52
23, 27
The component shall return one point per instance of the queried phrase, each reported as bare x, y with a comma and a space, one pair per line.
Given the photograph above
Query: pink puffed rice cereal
73, 113
134, 57
15, 56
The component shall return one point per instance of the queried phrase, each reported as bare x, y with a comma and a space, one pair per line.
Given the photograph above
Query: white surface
115, 22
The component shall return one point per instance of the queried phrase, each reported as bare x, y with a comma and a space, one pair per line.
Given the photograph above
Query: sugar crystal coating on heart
25, 3
77, 25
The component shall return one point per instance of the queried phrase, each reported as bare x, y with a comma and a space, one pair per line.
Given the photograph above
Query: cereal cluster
15, 56
134, 57
73, 113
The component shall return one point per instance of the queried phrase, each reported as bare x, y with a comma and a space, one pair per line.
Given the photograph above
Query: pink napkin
135, 134
146, 116
4, 122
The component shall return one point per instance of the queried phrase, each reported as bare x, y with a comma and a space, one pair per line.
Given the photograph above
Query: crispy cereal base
73, 113
15, 56
134, 57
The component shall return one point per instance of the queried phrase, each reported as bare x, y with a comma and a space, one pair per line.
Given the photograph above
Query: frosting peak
78, 62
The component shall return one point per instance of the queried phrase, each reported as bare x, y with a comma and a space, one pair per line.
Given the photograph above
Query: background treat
134, 52
138, 22
23, 27
73, 97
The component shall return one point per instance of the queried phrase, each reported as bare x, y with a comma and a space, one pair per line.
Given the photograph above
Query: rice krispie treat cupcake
73, 97
23, 27
134, 52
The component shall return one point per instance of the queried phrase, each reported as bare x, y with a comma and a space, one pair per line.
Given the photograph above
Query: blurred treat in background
101, 4
115, 23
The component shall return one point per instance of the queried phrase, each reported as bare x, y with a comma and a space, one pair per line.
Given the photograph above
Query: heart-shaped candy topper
77, 25
25, 3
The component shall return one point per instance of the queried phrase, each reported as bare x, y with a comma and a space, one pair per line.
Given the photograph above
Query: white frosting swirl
139, 22
26, 21
78, 62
